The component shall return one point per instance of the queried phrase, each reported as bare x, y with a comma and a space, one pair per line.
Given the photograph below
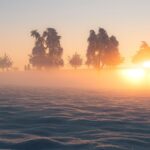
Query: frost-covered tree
102, 50
143, 54
47, 51
92, 47
5, 62
112, 56
75, 61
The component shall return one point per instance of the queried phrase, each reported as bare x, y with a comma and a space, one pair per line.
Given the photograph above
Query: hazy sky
129, 20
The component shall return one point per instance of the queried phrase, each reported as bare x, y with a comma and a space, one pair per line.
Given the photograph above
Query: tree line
102, 52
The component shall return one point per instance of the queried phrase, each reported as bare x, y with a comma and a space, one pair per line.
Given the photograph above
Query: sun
134, 75
146, 64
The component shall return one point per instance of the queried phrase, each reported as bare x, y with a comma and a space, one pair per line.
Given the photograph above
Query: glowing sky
129, 20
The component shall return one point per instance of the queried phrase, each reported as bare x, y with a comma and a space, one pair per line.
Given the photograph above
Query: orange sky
128, 21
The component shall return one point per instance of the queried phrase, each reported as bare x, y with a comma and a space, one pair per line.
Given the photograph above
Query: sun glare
134, 75
146, 64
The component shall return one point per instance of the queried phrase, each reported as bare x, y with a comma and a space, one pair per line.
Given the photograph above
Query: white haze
106, 80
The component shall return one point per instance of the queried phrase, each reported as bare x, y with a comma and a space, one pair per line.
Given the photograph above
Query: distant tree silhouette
102, 47
48, 41
102, 50
39, 48
52, 41
5, 62
38, 52
92, 47
75, 61
112, 56
143, 54
27, 67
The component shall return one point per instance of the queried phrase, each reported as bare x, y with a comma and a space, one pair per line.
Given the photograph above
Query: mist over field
104, 80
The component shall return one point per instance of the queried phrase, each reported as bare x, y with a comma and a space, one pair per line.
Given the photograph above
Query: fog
106, 80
